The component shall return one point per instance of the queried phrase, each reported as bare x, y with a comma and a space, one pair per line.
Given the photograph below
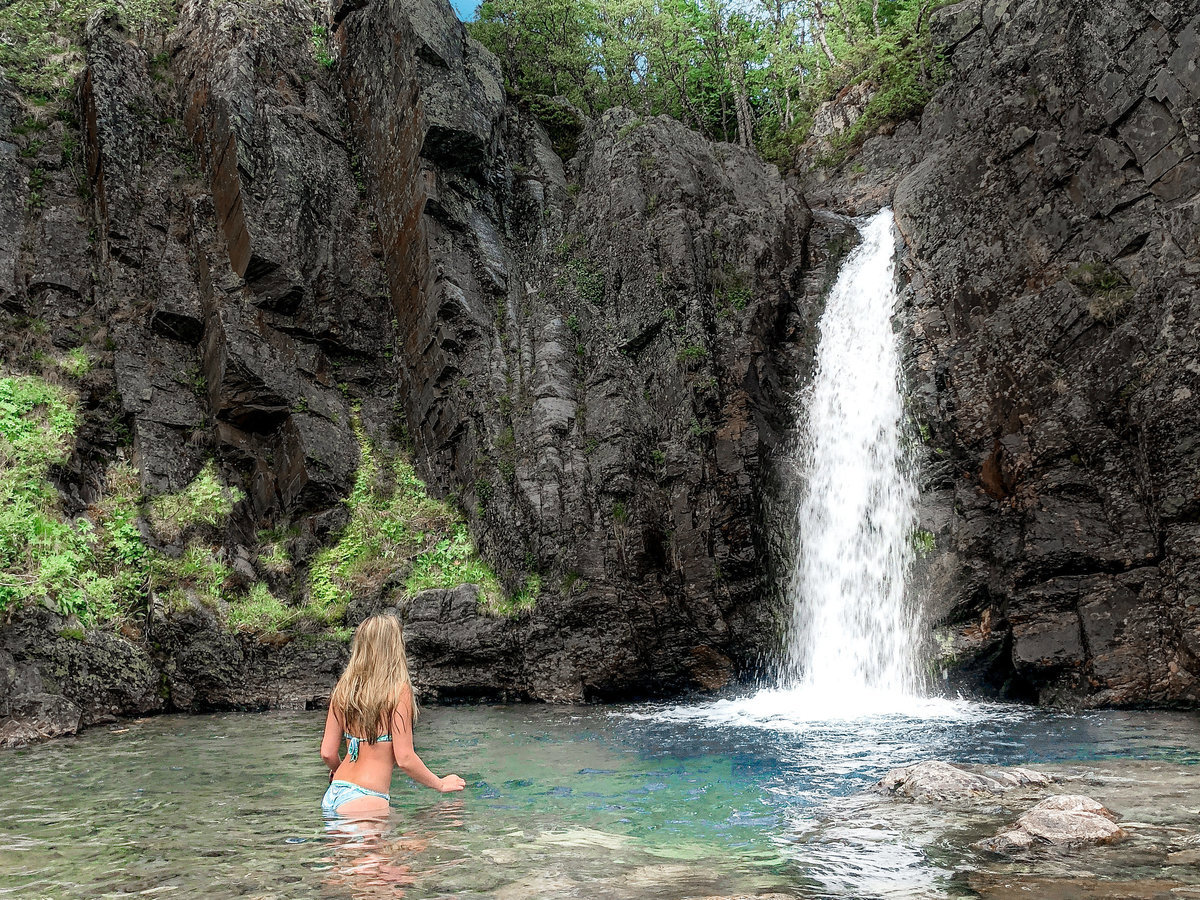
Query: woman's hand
451, 783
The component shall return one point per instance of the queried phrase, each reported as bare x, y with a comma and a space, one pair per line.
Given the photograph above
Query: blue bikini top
352, 745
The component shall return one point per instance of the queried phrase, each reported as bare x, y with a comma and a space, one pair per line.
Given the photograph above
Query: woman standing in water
373, 709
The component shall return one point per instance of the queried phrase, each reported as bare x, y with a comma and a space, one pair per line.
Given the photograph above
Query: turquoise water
642, 801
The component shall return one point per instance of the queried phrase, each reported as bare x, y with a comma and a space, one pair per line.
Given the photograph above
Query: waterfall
854, 635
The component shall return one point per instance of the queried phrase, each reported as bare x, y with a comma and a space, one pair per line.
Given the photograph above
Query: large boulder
1069, 820
934, 780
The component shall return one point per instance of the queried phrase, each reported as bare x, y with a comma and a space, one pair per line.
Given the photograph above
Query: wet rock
934, 780
1061, 821
15, 733
473, 659
49, 715
1073, 803
204, 666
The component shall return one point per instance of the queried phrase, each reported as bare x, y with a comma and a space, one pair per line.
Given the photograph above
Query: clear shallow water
621, 802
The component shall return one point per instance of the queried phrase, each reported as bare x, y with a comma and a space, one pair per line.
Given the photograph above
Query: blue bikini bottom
340, 792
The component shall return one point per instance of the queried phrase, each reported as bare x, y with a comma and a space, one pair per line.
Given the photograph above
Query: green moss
206, 501
260, 611
394, 522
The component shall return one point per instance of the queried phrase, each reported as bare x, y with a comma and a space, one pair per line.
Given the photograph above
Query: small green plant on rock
198, 574
206, 501
76, 363
322, 50
589, 281
522, 600
260, 611
274, 556
1108, 293
923, 542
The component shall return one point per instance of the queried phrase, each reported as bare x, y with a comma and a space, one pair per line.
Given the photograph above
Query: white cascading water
854, 633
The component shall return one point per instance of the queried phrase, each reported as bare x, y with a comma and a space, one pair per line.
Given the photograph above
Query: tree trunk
741, 105
819, 15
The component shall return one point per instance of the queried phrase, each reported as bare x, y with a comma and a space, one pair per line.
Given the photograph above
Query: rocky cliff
290, 247
281, 257
1049, 198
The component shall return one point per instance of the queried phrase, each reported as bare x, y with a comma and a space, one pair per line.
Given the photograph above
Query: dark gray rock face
1050, 202
595, 370
56, 678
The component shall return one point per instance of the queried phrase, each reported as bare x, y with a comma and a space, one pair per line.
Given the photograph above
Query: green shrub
76, 363
206, 501
589, 281
394, 521
450, 562
40, 40
43, 557
499, 605
259, 611
322, 51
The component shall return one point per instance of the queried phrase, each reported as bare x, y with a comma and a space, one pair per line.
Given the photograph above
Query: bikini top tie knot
353, 742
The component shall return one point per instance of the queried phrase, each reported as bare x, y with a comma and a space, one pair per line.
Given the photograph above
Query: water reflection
376, 856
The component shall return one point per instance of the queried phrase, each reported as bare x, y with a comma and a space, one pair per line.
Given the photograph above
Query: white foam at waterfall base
803, 708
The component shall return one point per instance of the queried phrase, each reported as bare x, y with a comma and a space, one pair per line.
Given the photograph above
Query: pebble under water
646, 801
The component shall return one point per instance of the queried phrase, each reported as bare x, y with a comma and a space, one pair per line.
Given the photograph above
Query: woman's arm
331, 742
406, 757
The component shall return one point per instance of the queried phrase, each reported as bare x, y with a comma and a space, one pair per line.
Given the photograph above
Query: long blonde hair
375, 679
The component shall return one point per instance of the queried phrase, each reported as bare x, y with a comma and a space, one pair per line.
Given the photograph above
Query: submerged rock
936, 780
1062, 821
